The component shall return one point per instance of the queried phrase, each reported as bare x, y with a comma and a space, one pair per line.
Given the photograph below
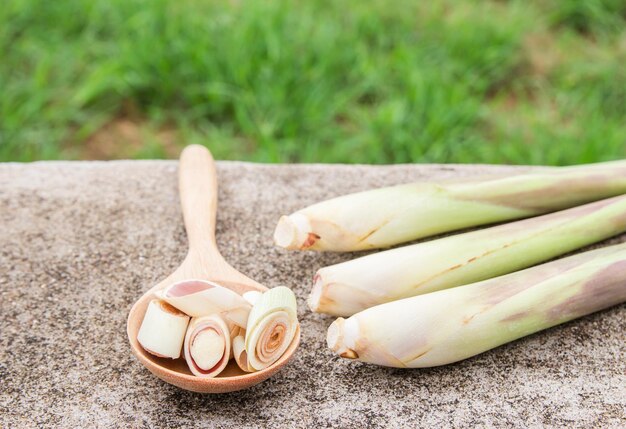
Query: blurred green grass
315, 81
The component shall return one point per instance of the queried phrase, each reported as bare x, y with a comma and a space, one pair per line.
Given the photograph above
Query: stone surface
81, 241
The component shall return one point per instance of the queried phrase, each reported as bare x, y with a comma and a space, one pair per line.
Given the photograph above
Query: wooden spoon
197, 182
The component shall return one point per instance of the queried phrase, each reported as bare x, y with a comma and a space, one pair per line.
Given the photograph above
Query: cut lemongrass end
207, 346
272, 325
207, 349
341, 337
294, 232
162, 330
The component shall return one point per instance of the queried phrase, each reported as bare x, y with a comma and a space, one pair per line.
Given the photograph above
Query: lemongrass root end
340, 337
293, 232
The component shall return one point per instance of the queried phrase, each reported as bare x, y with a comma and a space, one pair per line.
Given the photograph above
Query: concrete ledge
80, 241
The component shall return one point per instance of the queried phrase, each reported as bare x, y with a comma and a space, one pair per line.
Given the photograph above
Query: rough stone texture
81, 241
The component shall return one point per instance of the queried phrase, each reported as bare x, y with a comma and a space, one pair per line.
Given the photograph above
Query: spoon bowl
198, 196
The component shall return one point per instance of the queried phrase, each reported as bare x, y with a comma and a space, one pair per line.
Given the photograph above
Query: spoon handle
197, 183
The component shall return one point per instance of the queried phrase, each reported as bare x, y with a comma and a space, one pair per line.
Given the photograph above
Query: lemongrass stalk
199, 298
349, 287
207, 346
162, 330
272, 325
451, 325
383, 217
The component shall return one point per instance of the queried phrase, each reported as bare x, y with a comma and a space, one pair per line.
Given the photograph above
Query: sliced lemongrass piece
271, 327
207, 345
239, 352
238, 316
349, 287
162, 330
252, 296
450, 325
235, 331
207, 349
199, 298
387, 216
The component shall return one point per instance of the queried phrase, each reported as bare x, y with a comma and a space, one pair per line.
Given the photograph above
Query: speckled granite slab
81, 241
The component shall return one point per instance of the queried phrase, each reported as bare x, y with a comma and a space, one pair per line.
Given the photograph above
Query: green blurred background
541, 82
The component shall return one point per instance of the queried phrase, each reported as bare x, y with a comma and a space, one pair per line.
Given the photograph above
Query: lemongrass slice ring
162, 330
271, 327
199, 298
207, 346
239, 352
